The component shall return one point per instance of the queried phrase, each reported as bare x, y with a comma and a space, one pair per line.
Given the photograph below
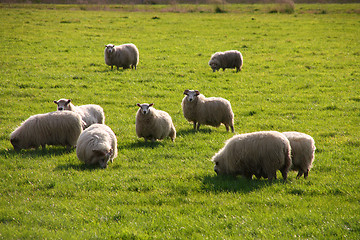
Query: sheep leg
284, 174
111, 67
306, 173
300, 173
117, 67
227, 127
198, 126
195, 125
232, 129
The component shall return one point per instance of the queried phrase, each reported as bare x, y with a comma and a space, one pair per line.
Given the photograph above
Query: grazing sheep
228, 59
302, 152
97, 145
54, 128
258, 153
125, 56
208, 111
89, 113
153, 124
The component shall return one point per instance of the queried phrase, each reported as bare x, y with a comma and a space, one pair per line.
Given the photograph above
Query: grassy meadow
301, 73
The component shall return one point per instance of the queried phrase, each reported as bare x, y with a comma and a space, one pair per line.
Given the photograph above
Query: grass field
301, 73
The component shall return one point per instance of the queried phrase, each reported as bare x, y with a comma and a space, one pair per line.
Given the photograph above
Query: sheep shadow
77, 167
185, 132
141, 144
26, 153
219, 184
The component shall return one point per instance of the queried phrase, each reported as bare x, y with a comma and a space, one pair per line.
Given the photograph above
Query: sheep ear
55, 102
186, 91
138, 104
197, 92
68, 101
98, 152
151, 104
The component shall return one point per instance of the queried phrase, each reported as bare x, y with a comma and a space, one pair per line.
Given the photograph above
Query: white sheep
125, 56
259, 153
97, 145
54, 128
227, 59
153, 124
89, 113
208, 111
302, 152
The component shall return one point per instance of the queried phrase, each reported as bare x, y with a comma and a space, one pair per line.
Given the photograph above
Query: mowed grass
300, 73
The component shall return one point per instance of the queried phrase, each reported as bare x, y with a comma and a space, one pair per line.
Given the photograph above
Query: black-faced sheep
89, 113
153, 124
97, 145
54, 128
258, 153
227, 59
302, 152
208, 111
125, 56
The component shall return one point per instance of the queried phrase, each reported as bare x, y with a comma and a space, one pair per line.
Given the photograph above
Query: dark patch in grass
142, 144
25, 153
355, 99
155, 18
219, 10
328, 134
77, 167
185, 132
331, 108
232, 184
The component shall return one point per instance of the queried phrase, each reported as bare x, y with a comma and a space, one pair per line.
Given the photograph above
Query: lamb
54, 128
257, 153
125, 56
153, 124
302, 151
209, 111
97, 145
89, 113
227, 59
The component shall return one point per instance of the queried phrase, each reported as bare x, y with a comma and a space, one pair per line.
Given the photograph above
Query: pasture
301, 73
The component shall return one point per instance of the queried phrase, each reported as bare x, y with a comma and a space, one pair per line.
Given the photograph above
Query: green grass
301, 73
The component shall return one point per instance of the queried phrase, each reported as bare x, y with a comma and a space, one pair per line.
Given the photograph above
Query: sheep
153, 124
54, 128
302, 152
257, 153
209, 111
97, 145
227, 59
89, 113
125, 56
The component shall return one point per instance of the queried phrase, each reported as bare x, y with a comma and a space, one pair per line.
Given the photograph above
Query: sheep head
63, 104
110, 48
145, 108
191, 94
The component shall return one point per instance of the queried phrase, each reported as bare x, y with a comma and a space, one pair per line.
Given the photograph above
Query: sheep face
110, 48
16, 143
191, 94
102, 157
145, 108
63, 104
214, 64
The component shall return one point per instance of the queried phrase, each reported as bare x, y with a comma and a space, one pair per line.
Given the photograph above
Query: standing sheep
97, 145
153, 124
125, 56
258, 153
208, 111
54, 128
302, 152
89, 113
228, 59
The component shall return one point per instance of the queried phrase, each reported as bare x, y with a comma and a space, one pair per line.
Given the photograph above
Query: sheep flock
83, 127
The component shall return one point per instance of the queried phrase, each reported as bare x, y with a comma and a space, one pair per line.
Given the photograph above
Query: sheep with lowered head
54, 128
258, 153
227, 59
153, 124
302, 152
208, 111
125, 56
97, 145
89, 113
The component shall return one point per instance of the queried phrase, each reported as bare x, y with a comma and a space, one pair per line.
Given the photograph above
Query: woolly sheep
153, 124
302, 151
227, 59
97, 145
89, 113
125, 56
54, 128
208, 111
258, 153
